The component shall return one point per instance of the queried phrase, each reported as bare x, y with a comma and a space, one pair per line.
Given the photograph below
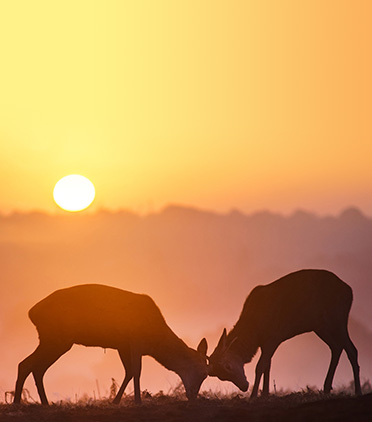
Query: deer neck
172, 353
243, 343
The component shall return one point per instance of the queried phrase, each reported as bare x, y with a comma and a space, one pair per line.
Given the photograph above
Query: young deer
304, 301
97, 315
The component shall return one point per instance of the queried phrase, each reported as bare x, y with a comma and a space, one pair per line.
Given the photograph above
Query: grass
305, 405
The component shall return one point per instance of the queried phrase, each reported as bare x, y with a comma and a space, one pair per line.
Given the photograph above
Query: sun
74, 193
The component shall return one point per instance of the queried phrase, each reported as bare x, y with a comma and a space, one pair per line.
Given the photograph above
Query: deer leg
266, 380
47, 355
24, 370
263, 367
136, 368
126, 360
352, 354
336, 353
334, 343
37, 363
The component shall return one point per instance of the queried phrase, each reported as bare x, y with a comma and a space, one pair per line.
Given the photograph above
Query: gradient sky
215, 104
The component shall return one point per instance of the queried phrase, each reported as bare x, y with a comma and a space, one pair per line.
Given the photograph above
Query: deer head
193, 377
227, 365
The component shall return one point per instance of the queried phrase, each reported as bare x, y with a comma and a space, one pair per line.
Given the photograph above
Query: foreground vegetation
307, 405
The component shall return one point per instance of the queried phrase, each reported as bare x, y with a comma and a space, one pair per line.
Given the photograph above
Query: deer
108, 317
300, 302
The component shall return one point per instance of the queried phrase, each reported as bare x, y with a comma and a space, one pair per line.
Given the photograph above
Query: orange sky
216, 104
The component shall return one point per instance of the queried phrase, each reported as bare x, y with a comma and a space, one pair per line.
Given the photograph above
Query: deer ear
222, 342
203, 347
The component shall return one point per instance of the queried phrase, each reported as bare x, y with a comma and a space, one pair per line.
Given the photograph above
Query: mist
198, 266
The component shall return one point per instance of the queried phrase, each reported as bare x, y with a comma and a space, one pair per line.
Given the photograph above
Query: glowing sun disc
74, 193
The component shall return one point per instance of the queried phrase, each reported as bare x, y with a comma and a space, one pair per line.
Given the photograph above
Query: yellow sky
216, 104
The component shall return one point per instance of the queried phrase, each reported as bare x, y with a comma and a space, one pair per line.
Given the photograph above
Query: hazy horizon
145, 212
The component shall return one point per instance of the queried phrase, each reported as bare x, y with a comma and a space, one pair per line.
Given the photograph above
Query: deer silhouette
98, 315
300, 302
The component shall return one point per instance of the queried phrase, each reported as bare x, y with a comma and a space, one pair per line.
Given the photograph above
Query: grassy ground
301, 406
